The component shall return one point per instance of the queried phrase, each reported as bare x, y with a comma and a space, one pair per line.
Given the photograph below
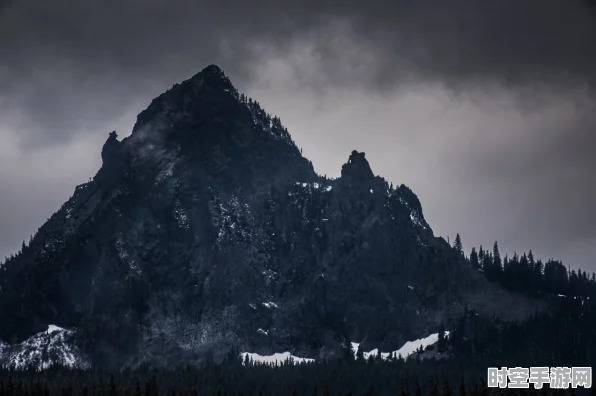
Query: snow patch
405, 351
411, 347
181, 216
275, 359
123, 254
53, 328
270, 305
261, 331
416, 219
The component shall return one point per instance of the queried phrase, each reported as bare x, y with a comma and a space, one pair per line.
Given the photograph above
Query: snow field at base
275, 359
405, 351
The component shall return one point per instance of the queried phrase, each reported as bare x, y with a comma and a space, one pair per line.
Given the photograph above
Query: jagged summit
204, 122
110, 147
357, 168
211, 70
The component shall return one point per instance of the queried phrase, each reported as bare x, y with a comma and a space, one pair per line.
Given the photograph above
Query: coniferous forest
561, 336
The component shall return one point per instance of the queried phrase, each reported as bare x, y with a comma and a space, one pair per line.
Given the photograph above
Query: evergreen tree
371, 391
462, 386
474, 259
138, 391
359, 354
433, 388
112, 391
403, 389
441, 344
417, 389
348, 350
446, 389
496, 256
457, 245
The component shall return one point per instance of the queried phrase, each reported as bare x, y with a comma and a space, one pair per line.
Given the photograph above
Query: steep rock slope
206, 229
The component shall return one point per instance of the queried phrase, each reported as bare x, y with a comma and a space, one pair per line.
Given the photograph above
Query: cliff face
206, 229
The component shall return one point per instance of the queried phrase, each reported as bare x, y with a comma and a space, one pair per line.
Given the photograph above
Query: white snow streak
53, 328
275, 359
406, 350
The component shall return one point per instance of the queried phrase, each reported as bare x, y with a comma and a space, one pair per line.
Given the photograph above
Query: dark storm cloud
57, 55
506, 153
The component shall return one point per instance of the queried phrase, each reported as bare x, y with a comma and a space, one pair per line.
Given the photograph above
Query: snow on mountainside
275, 359
43, 350
409, 348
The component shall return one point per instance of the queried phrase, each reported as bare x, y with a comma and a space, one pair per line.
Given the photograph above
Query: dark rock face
110, 151
207, 229
356, 169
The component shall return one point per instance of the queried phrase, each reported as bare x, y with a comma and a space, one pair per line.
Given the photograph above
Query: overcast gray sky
485, 109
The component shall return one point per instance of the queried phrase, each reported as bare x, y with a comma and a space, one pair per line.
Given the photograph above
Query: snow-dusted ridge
43, 350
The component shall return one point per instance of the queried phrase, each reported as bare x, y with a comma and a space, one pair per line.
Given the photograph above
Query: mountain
53, 347
205, 233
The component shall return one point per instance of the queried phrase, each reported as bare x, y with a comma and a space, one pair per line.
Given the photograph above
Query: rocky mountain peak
211, 71
206, 229
357, 168
110, 147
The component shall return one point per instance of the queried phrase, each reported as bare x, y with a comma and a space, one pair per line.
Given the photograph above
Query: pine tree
371, 391
474, 259
441, 344
113, 391
457, 245
462, 386
138, 391
446, 389
348, 351
417, 389
360, 354
433, 388
496, 256
403, 389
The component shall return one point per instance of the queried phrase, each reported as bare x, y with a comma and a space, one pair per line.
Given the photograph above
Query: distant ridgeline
207, 237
